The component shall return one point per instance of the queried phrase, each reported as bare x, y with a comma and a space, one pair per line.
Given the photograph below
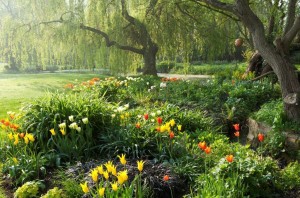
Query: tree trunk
276, 57
149, 56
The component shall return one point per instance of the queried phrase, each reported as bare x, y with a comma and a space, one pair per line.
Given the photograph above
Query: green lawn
20, 88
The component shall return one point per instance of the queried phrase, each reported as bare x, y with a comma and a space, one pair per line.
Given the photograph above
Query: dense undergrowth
145, 137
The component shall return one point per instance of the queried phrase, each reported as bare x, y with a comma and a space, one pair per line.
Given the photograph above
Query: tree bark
150, 61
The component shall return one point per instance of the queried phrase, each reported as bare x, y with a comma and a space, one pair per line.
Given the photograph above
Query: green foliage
289, 177
269, 111
54, 193
209, 186
28, 190
165, 66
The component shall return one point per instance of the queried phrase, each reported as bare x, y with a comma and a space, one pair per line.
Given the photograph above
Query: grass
17, 89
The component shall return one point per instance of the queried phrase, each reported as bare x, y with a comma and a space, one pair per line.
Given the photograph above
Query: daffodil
94, 175
52, 131
122, 159
140, 165
85, 187
101, 192
122, 177
114, 186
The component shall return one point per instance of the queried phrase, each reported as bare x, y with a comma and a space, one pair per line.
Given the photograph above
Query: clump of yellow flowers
108, 180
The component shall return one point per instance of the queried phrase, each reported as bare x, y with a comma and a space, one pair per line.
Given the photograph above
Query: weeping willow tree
121, 35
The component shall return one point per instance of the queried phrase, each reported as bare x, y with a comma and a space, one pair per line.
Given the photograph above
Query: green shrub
54, 193
165, 66
289, 177
28, 190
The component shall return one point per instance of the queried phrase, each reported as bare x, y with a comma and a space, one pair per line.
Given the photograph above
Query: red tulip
146, 116
172, 135
159, 120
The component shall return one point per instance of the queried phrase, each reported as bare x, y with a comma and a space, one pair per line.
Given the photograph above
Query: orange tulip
138, 125
166, 178
260, 137
229, 158
236, 127
237, 134
172, 135
207, 150
202, 145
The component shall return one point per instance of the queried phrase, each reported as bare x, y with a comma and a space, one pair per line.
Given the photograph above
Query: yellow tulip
10, 136
172, 122
106, 175
100, 169
122, 159
63, 132
179, 127
114, 186
122, 177
94, 175
16, 136
140, 165
101, 191
85, 187
108, 166
52, 131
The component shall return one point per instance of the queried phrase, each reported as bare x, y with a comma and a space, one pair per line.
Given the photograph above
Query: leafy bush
28, 190
165, 66
54, 193
289, 177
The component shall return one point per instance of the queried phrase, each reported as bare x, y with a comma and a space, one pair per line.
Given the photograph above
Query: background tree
87, 34
276, 53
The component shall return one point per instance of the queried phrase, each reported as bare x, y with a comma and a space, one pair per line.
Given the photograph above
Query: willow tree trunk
149, 56
276, 57
288, 80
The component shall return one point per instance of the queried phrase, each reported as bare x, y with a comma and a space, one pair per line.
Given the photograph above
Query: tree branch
290, 15
216, 9
109, 42
219, 5
291, 34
